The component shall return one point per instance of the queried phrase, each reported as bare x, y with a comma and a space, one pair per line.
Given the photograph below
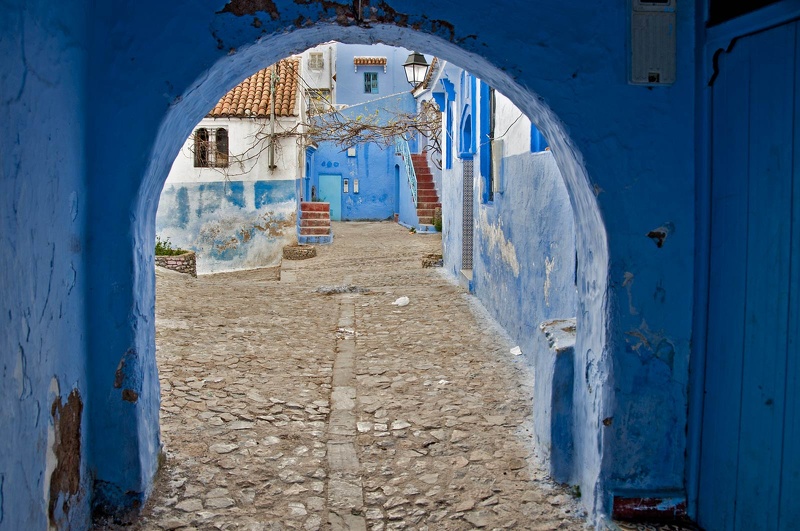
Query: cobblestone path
286, 408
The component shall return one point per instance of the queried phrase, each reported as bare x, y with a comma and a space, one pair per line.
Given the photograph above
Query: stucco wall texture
80, 204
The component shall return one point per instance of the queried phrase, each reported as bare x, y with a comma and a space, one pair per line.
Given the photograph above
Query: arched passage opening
141, 435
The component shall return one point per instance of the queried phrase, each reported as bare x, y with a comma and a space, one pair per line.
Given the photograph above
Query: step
426, 205
425, 186
427, 196
314, 231
321, 240
315, 206
425, 213
315, 215
315, 222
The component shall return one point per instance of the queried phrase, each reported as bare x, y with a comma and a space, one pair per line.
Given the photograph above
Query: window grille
211, 148
316, 61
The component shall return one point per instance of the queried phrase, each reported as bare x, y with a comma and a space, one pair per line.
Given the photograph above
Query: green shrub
164, 248
437, 220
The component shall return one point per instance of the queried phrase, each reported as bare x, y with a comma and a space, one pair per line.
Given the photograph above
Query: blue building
673, 128
365, 181
509, 237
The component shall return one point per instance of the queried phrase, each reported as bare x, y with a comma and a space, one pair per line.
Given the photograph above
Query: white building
231, 194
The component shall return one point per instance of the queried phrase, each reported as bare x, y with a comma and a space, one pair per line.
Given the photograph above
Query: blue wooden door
330, 190
750, 446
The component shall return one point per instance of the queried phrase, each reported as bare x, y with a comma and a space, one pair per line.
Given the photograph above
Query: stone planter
299, 252
182, 263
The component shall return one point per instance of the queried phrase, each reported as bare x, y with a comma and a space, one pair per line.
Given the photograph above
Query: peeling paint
129, 395
549, 262
251, 7
230, 226
65, 478
498, 243
627, 284
659, 234
649, 344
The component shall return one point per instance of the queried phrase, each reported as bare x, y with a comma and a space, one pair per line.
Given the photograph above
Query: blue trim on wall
449, 137
538, 141
466, 137
438, 97
485, 154
449, 89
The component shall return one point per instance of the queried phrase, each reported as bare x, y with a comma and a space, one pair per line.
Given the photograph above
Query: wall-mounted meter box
345, 186
653, 44
351, 152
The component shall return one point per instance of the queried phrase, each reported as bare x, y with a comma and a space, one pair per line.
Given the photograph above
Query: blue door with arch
749, 459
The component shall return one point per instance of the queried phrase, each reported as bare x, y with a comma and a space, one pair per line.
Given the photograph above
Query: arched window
221, 148
210, 148
201, 145
466, 147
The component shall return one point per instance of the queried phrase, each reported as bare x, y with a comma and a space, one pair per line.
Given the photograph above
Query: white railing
402, 149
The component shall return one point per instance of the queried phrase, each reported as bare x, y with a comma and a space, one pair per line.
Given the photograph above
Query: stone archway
124, 478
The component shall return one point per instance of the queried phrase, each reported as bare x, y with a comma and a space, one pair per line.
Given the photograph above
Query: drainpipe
271, 153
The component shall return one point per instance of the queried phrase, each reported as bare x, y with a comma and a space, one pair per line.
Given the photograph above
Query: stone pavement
288, 408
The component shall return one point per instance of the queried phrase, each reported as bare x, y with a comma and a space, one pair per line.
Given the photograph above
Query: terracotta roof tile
427, 81
251, 97
369, 61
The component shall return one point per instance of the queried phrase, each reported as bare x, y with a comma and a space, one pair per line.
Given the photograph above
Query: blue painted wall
373, 164
230, 225
43, 209
525, 276
350, 83
407, 213
628, 196
627, 155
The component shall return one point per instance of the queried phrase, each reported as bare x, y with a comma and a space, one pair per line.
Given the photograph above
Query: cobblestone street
284, 407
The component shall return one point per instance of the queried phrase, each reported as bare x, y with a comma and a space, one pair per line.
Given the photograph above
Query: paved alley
286, 406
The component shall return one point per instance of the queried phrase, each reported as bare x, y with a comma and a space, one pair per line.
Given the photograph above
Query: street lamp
416, 68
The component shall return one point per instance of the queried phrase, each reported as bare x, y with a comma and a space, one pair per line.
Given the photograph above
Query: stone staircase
314, 223
427, 198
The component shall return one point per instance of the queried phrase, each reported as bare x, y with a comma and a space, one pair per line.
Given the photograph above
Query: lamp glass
416, 68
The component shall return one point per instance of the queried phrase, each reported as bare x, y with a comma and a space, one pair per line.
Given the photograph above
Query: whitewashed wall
238, 217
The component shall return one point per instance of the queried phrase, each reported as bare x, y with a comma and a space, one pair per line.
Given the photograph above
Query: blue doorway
330, 190
749, 463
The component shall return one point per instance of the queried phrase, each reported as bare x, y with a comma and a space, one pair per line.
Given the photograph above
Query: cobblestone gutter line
345, 489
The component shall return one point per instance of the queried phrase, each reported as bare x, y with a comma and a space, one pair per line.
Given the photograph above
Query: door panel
749, 463
723, 387
330, 190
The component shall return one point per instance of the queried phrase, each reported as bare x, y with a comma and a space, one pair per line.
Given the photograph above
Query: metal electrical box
653, 45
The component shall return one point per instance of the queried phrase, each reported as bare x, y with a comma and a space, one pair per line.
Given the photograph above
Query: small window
201, 148
211, 148
221, 149
370, 82
319, 101
316, 61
